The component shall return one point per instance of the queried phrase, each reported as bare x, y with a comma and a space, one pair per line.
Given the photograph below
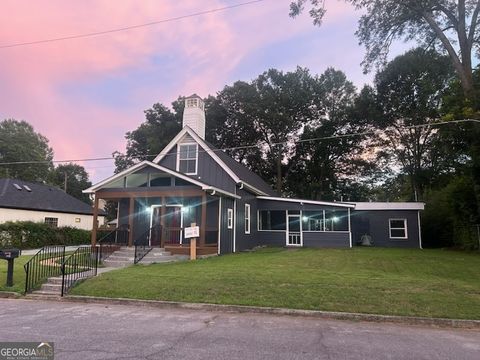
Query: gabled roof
146, 163
239, 173
18, 194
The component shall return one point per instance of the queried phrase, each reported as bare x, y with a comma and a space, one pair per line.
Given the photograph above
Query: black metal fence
82, 264
44, 264
142, 244
112, 242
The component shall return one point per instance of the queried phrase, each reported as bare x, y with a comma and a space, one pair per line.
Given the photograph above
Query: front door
173, 224
294, 230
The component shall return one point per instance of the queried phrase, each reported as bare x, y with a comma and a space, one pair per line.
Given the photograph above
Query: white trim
288, 229
235, 224
419, 232
405, 228
146, 163
219, 237
252, 188
389, 205
306, 201
230, 218
201, 142
247, 207
349, 228
196, 158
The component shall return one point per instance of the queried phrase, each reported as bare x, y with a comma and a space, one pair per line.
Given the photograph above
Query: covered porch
157, 218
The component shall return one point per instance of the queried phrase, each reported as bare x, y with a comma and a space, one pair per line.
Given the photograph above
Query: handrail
142, 249
83, 263
43, 265
112, 242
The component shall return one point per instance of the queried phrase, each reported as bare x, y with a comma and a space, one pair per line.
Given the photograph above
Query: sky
84, 94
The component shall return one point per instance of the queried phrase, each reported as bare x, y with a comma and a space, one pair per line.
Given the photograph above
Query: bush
31, 235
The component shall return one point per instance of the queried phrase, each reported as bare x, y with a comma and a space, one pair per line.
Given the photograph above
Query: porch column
131, 216
203, 225
162, 223
95, 221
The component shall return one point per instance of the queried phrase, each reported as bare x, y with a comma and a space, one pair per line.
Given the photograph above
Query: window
50, 221
247, 218
230, 218
325, 220
187, 159
77, 220
160, 180
398, 228
137, 180
272, 220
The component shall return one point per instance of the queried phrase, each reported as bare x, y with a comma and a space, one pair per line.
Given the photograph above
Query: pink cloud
210, 47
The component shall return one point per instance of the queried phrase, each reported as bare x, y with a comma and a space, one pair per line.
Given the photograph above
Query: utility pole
65, 182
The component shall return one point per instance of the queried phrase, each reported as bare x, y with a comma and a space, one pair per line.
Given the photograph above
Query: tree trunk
279, 173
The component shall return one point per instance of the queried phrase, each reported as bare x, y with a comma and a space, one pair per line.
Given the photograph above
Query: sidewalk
32, 252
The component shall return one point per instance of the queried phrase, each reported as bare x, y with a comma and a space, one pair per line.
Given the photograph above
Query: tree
409, 93
453, 25
330, 168
158, 129
73, 178
20, 143
268, 112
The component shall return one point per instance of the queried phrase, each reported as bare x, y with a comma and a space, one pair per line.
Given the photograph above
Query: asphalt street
94, 331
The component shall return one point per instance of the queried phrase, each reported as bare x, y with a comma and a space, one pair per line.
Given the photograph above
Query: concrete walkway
32, 252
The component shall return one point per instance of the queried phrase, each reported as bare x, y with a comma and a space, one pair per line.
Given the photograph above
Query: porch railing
44, 264
142, 245
172, 236
82, 264
112, 242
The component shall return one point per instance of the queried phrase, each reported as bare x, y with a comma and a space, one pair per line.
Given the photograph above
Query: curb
330, 315
10, 295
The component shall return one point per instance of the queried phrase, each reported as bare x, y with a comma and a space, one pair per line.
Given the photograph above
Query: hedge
31, 235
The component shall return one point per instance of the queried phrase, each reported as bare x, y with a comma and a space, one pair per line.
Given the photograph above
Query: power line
339, 136
132, 27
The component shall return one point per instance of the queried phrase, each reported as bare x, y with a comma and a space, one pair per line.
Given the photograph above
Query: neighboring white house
25, 201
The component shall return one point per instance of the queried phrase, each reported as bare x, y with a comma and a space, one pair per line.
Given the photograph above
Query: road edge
331, 315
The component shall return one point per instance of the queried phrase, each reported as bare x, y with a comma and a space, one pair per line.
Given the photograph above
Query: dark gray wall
326, 239
376, 224
246, 241
208, 170
226, 235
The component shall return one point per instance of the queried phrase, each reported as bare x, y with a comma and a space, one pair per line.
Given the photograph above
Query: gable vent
18, 187
27, 188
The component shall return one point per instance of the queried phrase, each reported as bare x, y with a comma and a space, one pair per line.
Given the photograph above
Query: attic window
192, 102
27, 188
187, 159
18, 187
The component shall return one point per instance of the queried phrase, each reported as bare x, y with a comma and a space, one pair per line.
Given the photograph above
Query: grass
433, 283
18, 274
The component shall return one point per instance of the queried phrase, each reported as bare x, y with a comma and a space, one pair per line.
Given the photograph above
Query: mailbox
10, 255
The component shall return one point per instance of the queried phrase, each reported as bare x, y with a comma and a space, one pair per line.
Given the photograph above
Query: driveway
93, 331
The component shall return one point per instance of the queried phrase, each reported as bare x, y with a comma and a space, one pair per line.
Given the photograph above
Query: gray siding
208, 170
226, 235
376, 224
326, 239
246, 241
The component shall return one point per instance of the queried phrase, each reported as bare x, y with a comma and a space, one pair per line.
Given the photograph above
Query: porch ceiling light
305, 218
335, 219
185, 209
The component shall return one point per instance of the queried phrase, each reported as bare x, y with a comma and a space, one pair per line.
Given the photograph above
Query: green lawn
18, 275
434, 283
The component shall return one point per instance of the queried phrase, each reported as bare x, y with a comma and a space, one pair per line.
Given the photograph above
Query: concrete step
55, 280
46, 293
158, 258
120, 257
162, 259
56, 288
112, 263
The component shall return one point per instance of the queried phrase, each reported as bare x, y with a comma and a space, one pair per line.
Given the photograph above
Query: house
26, 201
191, 181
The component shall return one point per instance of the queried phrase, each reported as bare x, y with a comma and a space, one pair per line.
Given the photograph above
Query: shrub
31, 235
